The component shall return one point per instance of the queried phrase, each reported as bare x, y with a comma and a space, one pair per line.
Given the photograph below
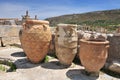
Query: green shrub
7, 63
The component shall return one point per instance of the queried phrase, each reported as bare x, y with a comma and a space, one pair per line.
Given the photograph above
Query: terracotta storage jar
93, 55
66, 43
35, 39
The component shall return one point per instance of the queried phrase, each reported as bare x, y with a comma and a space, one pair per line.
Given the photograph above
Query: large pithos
93, 54
35, 39
66, 43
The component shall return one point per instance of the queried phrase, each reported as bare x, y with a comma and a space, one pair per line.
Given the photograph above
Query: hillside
97, 18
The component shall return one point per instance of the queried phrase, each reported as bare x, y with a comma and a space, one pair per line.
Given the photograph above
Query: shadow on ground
53, 65
111, 73
18, 54
24, 63
77, 74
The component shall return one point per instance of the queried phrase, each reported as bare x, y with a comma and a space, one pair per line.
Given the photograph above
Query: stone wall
114, 49
10, 34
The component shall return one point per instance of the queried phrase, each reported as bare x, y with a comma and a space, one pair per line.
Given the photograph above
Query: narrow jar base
92, 74
63, 65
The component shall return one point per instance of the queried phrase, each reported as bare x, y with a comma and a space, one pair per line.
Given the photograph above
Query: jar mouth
94, 42
37, 22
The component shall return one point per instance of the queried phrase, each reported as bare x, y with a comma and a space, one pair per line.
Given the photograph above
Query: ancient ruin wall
10, 34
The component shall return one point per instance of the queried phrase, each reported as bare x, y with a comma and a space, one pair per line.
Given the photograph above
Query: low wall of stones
10, 34
114, 49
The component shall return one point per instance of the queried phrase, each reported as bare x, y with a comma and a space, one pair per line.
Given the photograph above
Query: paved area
43, 71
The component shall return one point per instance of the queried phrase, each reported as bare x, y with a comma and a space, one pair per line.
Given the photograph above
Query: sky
51, 8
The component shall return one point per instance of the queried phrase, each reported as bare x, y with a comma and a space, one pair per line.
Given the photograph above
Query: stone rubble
92, 36
115, 66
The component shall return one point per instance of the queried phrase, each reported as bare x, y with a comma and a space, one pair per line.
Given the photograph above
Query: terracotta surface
93, 54
35, 39
66, 43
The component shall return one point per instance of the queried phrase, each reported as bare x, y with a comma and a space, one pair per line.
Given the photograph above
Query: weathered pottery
35, 39
66, 43
93, 55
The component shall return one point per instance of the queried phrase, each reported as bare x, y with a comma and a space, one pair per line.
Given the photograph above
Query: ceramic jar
66, 43
35, 38
93, 55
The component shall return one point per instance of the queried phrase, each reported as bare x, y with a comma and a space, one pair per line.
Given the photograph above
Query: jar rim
37, 22
94, 42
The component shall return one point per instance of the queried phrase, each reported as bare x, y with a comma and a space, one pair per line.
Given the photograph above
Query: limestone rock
115, 66
100, 36
88, 36
92, 36
80, 34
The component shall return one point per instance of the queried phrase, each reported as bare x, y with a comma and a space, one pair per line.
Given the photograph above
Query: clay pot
35, 39
66, 43
93, 55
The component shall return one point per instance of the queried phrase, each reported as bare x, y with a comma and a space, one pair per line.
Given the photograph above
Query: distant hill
97, 18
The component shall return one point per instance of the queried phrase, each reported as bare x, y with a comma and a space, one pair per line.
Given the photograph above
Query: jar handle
44, 27
107, 46
25, 26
